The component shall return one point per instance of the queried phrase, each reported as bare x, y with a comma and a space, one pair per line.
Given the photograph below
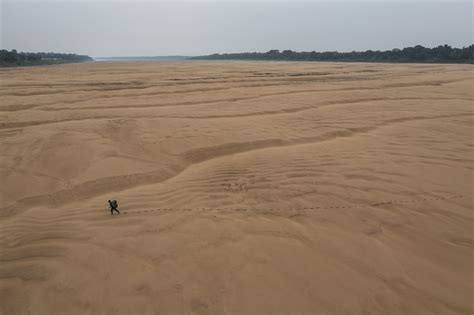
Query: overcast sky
195, 27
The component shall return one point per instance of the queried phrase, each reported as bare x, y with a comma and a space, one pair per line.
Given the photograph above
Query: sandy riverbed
245, 188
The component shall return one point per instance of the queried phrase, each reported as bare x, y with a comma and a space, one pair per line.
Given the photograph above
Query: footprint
199, 306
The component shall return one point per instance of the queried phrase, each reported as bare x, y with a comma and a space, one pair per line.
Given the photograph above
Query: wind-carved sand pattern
245, 188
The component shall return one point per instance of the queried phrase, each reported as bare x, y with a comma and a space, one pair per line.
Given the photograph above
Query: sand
244, 187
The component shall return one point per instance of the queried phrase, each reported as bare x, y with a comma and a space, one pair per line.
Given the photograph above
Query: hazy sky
139, 28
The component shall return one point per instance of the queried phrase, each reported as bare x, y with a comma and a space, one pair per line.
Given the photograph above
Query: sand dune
245, 188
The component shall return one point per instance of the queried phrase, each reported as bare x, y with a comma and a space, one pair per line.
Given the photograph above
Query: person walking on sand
113, 206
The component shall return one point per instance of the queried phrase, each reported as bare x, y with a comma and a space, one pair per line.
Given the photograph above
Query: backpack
114, 204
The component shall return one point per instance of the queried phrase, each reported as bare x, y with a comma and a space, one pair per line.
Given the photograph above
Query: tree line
14, 59
440, 54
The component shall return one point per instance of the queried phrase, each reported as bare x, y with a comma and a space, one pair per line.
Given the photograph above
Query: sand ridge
245, 187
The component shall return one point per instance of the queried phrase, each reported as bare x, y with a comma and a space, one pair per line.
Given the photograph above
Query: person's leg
112, 211
117, 210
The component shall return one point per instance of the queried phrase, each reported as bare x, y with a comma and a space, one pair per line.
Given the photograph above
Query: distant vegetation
440, 54
14, 59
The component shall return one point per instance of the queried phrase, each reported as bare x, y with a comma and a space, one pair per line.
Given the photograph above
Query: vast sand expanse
245, 188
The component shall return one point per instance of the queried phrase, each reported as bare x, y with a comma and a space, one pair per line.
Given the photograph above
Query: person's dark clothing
113, 206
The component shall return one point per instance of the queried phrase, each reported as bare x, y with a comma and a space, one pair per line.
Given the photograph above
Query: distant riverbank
19, 59
417, 54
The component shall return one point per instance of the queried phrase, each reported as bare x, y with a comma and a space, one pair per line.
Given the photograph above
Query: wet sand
244, 187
